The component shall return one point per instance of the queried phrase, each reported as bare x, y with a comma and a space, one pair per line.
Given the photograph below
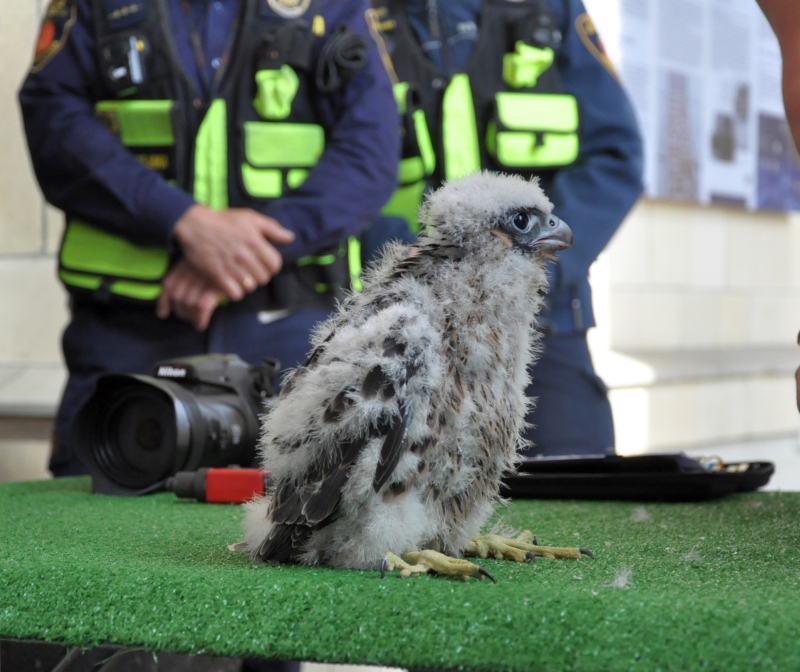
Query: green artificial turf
712, 586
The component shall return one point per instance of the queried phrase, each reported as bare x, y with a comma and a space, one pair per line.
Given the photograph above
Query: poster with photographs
704, 79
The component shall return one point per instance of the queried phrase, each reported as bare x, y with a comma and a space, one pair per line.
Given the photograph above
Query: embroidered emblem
122, 14
591, 40
289, 9
379, 16
58, 19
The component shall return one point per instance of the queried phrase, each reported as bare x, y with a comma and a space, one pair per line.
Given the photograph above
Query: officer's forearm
83, 170
784, 17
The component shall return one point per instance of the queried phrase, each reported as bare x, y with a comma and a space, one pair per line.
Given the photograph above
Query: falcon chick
395, 432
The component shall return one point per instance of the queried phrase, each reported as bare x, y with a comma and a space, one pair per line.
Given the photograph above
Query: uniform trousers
131, 339
572, 415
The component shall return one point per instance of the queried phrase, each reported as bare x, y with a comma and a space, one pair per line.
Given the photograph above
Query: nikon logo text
171, 372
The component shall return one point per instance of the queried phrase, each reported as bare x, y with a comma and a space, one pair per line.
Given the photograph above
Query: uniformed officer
784, 17
213, 159
525, 86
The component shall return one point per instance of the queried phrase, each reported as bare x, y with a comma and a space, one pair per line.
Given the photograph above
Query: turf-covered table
713, 586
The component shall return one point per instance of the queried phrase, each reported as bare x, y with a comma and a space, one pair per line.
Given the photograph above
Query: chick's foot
419, 562
521, 549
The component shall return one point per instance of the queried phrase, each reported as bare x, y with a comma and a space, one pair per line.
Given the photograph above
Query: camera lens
135, 431
226, 429
139, 433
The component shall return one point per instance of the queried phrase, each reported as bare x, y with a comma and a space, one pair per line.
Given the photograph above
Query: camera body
135, 431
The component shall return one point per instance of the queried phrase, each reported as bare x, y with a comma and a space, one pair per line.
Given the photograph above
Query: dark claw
383, 567
483, 572
586, 551
531, 555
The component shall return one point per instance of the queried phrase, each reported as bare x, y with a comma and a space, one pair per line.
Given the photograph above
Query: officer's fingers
204, 309
171, 287
181, 280
234, 276
238, 258
273, 231
228, 280
797, 386
256, 263
185, 305
189, 295
164, 302
215, 242
163, 308
248, 269
270, 259
224, 275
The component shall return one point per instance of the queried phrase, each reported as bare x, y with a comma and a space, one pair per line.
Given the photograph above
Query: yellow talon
391, 562
415, 563
523, 548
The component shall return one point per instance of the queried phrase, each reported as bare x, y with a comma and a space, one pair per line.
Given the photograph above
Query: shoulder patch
58, 19
591, 40
289, 9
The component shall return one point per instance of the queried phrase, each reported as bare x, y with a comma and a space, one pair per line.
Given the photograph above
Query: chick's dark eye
520, 221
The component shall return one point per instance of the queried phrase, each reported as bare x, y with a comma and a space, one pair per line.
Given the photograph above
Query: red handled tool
220, 486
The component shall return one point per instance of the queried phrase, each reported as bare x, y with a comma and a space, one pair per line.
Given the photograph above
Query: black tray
645, 478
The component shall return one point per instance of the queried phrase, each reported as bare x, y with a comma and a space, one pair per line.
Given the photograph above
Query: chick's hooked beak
553, 235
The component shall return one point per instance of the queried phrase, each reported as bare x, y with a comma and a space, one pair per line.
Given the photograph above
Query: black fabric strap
209, 87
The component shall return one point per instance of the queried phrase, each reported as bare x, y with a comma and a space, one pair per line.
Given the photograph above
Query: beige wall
32, 305
698, 309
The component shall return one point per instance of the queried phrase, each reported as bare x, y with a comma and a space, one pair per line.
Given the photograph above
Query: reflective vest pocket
279, 155
103, 264
275, 91
98, 263
146, 128
533, 130
522, 67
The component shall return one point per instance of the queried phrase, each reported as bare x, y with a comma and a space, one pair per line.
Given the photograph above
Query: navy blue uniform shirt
84, 170
594, 194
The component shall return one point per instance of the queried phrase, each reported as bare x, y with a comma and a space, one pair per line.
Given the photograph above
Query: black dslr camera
136, 431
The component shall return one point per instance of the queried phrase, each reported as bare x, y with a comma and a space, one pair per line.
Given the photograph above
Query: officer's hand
797, 386
232, 248
188, 295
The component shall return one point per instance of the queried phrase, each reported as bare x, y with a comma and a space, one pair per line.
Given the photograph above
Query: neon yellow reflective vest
506, 112
257, 138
